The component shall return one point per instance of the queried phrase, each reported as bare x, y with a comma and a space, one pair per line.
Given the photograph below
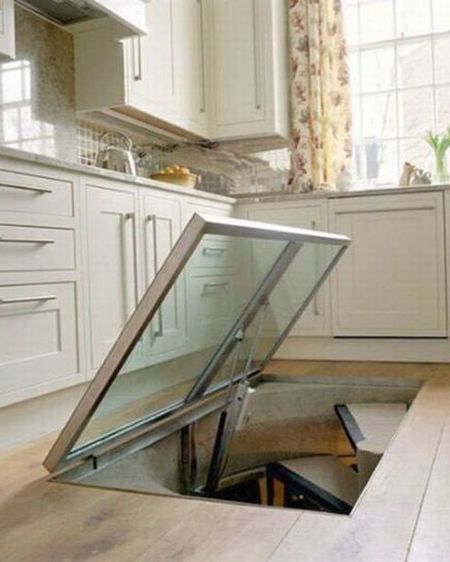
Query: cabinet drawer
218, 209
30, 249
38, 335
212, 300
308, 214
213, 251
28, 193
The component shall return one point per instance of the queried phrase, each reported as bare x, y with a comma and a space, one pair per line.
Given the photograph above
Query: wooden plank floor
404, 512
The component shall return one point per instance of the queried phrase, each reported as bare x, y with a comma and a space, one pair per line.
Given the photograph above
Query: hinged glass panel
230, 290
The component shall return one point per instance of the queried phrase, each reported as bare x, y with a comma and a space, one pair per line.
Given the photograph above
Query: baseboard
414, 350
27, 421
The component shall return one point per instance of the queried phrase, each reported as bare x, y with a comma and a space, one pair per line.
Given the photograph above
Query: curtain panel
320, 94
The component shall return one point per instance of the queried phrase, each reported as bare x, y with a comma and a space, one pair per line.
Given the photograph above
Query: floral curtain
321, 132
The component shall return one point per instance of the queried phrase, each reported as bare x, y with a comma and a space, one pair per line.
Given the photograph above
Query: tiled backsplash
220, 169
37, 114
37, 90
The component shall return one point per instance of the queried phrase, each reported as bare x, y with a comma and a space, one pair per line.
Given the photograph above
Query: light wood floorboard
404, 509
431, 539
382, 523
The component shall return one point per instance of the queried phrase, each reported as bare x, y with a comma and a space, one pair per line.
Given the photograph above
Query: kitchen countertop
109, 174
280, 197
242, 199
401, 515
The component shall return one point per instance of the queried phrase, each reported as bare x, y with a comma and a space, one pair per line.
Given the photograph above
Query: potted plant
440, 142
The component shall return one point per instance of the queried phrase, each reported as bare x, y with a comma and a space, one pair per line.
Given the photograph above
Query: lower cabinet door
38, 336
112, 283
211, 300
312, 215
391, 281
162, 228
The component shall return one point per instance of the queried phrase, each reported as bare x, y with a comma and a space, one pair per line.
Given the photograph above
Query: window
400, 79
19, 128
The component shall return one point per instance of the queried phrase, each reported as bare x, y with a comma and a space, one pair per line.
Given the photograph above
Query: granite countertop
279, 197
110, 174
268, 197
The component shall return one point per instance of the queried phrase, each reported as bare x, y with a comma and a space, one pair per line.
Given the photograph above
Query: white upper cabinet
150, 78
391, 282
190, 64
206, 69
7, 32
249, 79
158, 78
165, 69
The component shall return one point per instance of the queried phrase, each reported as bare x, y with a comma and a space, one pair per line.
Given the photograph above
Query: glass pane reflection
274, 317
212, 292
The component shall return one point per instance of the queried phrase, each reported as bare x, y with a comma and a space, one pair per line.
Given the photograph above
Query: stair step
324, 480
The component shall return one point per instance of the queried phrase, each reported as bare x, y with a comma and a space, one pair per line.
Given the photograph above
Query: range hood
130, 14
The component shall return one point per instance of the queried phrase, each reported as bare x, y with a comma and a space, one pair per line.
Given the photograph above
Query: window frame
359, 95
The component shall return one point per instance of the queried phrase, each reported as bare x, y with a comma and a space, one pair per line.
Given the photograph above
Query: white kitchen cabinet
143, 68
111, 262
391, 282
36, 194
207, 68
76, 254
41, 337
190, 65
211, 283
7, 30
23, 248
213, 293
166, 71
158, 78
128, 234
161, 220
194, 205
249, 77
309, 214
38, 334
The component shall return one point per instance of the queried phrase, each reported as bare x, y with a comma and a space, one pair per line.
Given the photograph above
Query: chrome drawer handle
256, 50
26, 240
28, 299
150, 218
132, 216
208, 286
136, 47
158, 332
26, 188
215, 250
316, 308
202, 58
